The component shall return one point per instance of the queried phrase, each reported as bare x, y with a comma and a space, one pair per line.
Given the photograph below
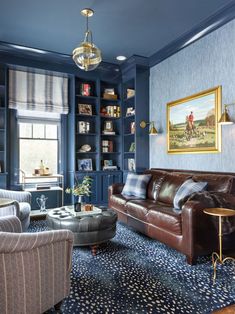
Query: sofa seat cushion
118, 201
166, 218
139, 208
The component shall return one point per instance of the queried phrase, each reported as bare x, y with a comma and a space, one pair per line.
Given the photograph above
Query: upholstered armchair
21, 208
34, 268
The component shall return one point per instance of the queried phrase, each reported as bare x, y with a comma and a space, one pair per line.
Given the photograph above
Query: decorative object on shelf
132, 125
42, 170
108, 162
107, 146
85, 148
85, 89
109, 93
130, 92
41, 201
130, 111
225, 118
87, 56
85, 109
108, 126
108, 165
192, 123
83, 127
152, 129
0, 167
132, 147
131, 164
85, 164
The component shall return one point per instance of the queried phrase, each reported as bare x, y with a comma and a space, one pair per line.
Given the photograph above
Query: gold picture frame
192, 123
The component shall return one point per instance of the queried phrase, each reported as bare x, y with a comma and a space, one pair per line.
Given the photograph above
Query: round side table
218, 257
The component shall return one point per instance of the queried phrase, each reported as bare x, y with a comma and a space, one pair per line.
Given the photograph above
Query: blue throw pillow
136, 185
186, 189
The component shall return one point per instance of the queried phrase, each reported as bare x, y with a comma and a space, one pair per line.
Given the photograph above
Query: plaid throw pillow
187, 188
136, 185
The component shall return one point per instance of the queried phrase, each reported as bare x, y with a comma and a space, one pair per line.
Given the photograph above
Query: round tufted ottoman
89, 230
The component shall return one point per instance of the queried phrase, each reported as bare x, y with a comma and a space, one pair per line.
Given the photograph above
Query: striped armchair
34, 268
22, 207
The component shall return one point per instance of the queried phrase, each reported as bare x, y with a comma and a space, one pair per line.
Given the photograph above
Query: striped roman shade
38, 92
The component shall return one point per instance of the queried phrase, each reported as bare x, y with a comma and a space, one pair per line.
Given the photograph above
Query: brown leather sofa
189, 231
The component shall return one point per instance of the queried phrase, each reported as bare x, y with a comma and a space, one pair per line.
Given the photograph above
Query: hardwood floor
227, 310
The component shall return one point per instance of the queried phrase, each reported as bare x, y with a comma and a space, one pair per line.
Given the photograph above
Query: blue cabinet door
107, 179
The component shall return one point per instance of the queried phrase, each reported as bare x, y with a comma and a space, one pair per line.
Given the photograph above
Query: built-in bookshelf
3, 127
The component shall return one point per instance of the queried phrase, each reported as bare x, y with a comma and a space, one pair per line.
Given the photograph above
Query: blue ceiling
122, 27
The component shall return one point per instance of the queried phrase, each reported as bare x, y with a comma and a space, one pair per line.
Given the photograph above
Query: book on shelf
42, 187
110, 96
110, 91
85, 89
107, 146
111, 111
130, 92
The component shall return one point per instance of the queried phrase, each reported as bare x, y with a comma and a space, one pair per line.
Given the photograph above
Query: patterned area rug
135, 274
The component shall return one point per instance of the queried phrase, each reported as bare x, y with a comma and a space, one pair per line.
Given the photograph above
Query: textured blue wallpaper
207, 63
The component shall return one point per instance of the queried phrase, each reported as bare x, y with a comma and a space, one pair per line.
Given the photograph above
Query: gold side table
218, 257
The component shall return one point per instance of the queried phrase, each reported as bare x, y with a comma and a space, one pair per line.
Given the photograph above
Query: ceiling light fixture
121, 58
87, 56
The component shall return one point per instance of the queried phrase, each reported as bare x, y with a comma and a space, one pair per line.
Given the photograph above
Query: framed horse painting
192, 123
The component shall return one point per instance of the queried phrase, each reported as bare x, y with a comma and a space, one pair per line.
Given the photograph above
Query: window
38, 140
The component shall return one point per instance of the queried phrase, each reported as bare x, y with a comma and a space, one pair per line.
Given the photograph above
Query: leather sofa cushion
139, 208
155, 183
216, 183
166, 218
118, 201
169, 188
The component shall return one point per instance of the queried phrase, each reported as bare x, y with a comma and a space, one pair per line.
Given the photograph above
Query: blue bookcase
3, 127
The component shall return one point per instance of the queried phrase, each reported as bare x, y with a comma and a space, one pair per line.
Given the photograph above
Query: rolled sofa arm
199, 232
10, 224
20, 196
14, 242
116, 188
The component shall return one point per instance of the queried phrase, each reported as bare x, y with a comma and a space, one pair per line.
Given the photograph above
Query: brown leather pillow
155, 183
169, 188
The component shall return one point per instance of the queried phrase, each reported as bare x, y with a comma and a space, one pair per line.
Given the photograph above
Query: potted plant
80, 190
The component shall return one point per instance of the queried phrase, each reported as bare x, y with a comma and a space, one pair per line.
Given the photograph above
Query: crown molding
18, 55
209, 25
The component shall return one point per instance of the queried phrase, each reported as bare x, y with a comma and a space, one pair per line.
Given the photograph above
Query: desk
218, 257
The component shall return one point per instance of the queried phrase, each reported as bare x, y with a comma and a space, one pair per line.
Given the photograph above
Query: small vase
79, 203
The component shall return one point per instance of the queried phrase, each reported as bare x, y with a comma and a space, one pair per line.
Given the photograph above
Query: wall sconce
152, 129
225, 118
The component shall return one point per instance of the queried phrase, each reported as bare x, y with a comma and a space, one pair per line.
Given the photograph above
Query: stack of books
111, 111
109, 93
109, 132
107, 146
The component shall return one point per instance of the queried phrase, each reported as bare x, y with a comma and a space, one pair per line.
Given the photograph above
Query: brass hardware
87, 12
152, 129
225, 118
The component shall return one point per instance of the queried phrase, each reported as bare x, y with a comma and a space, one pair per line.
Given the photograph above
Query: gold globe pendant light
87, 56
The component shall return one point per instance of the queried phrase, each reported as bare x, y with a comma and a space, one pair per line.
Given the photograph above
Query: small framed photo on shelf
132, 127
131, 164
85, 89
108, 126
130, 111
83, 127
132, 148
108, 163
85, 164
85, 109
